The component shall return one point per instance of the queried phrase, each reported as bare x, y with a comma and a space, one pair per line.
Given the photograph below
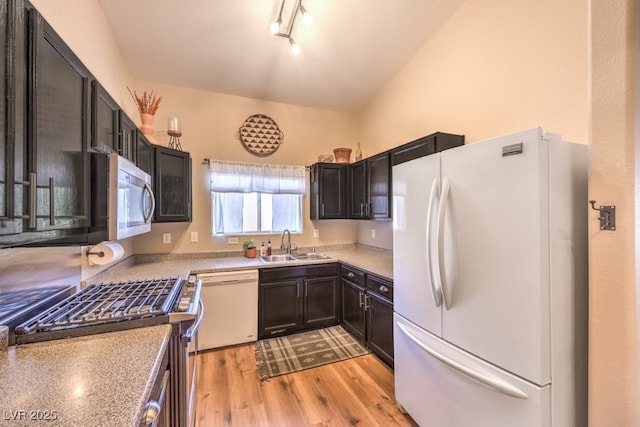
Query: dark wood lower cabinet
380, 327
280, 309
320, 301
292, 299
353, 317
367, 310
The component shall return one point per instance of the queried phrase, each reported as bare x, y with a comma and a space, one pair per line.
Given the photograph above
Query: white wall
210, 123
495, 67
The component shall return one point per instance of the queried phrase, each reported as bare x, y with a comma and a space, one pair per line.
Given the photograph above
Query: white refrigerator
490, 283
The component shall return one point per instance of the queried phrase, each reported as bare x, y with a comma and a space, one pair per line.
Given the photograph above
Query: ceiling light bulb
295, 49
306, 16
275, 27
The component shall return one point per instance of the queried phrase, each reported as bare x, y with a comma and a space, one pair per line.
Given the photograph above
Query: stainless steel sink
287, 257
277, 258
311, 255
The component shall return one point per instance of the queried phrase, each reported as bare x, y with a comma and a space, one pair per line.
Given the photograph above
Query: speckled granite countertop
97, 380
377, 261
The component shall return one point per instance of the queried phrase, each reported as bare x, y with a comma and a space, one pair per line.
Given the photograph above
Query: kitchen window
251, 198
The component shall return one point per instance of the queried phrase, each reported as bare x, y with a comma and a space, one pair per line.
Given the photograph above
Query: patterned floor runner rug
292, 353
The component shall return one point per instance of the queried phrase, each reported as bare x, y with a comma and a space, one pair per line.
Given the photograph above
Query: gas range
107, 307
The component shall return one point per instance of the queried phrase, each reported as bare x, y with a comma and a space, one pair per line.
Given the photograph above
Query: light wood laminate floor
355, 392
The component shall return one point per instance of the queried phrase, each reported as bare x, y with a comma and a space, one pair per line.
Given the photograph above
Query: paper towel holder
100, 254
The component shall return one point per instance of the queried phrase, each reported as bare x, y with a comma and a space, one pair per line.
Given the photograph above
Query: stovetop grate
108, 303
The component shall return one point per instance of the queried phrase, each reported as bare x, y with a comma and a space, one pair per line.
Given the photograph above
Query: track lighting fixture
276, 25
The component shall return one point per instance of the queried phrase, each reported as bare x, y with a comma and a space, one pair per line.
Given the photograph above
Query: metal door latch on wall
607, 216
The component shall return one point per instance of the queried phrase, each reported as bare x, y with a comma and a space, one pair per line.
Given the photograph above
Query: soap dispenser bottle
269, 247
263, 250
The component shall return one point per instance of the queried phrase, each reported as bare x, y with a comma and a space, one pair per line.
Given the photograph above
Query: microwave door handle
147, 188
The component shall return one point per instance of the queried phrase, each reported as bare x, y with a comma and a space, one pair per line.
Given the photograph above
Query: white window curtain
253, 198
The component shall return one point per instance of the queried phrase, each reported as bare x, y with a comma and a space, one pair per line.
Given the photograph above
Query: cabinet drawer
311, 270
352, 274
380, 286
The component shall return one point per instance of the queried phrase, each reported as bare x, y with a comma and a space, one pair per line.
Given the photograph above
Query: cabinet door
379, 185
12, 83
279, 308
105, 121
320, 301
358, 190
128, 134
59, 129
172, 185
380, 327
329, 191
353, 315
144, 153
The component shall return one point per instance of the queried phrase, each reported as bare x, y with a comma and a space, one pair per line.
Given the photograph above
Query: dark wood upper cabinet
9, 224
172, 185
58, 131
105, 121
128, 135
424, 146
370, 188
329, 191
144, 153
357, 190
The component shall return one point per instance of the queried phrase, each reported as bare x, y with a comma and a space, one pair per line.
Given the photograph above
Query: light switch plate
316, 232
373, 233
232, 241
194, 236
166, 238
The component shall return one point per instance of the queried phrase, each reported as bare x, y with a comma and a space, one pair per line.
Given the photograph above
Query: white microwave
131, 201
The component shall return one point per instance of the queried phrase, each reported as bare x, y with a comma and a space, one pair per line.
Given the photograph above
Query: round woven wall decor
260, 135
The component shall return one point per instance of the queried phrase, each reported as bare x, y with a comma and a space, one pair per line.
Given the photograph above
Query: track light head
295, 49
306, 16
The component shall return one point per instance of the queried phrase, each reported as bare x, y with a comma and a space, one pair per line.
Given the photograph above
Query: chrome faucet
286, 247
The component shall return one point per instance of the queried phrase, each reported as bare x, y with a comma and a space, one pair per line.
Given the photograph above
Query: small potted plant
249, 249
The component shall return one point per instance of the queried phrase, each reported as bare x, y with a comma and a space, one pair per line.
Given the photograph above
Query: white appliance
230, 300
490, 283
130, 201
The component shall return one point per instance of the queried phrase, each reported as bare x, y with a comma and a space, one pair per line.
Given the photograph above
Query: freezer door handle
442, 213
492, 382
437, 296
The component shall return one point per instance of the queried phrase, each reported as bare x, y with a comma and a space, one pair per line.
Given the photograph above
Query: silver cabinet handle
366, 300
322, 210
52, 201
351, 275
360, 295
384, 289
32, 200
361, 209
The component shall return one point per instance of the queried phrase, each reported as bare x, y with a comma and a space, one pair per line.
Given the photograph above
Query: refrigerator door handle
442, 213
492, 382
437, 295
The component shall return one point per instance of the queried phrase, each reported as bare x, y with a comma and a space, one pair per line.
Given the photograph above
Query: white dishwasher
230, 300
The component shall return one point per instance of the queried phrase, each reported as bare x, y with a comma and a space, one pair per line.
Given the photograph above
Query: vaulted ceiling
347, 54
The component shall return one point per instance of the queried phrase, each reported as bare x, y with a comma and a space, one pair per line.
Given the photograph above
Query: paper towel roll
105, 253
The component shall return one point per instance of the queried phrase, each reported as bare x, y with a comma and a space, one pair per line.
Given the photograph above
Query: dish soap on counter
263, 250
269, 247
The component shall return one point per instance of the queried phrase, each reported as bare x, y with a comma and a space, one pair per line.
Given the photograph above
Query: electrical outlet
316, 232
373, 233
232, 241
166, 238
194, 236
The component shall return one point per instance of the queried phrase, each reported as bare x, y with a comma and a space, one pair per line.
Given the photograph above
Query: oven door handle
188, 336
